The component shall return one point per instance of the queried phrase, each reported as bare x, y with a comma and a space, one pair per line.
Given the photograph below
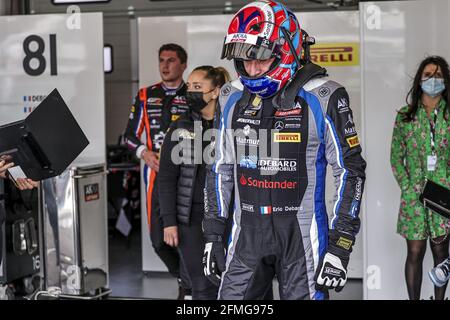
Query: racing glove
214, 259
332, 270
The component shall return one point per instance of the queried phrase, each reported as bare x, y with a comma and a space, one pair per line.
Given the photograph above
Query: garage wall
118, 84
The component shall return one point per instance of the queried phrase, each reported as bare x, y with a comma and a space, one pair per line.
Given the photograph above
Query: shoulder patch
226, 90
324, 92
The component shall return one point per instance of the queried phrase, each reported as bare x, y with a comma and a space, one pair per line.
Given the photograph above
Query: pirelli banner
335, 54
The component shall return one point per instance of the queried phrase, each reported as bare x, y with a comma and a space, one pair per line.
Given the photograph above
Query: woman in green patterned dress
420, 151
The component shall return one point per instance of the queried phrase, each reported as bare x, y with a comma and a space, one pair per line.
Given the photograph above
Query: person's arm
21, 183
219, 178
135, 127
218, 194
4, 167
167, 181
134, 130
168, 176
398, 152
26, 184
343, 153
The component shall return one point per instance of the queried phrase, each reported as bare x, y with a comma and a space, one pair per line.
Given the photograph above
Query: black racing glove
214, 259
332, 270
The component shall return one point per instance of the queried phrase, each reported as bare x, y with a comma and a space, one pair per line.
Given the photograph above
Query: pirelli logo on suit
353, 141
287, 137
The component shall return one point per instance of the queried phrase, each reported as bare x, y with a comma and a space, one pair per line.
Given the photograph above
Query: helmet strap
306, 44
284, 99
291, 46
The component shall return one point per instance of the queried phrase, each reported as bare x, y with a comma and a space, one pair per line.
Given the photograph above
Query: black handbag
436, 197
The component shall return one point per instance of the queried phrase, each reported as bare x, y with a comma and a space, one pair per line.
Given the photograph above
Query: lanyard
433, 131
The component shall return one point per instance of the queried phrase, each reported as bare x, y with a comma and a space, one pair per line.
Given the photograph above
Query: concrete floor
128, 281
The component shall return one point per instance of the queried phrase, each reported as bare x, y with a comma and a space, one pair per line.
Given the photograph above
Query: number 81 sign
38, 54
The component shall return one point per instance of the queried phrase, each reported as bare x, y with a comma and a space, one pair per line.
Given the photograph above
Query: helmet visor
246, 51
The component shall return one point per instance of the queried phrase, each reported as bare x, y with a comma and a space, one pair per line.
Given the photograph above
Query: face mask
195, 100
433, 86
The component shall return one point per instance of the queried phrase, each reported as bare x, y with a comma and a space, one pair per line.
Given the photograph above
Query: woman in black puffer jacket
182, 175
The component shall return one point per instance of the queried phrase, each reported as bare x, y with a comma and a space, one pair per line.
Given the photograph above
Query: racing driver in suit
154, 109
274, 141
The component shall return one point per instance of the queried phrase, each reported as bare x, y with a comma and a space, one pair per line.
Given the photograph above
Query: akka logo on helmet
239, 37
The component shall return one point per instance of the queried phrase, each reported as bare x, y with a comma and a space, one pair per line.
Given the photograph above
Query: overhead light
78, 1
333, 5
108, 58
228, 6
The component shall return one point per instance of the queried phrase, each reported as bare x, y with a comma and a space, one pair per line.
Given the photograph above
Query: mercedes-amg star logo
279, 125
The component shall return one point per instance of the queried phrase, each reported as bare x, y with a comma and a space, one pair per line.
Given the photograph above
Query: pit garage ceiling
184, 7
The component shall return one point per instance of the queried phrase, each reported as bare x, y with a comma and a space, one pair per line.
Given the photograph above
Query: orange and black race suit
154, 109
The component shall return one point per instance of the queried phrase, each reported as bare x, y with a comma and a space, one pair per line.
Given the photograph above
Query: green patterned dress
411, 144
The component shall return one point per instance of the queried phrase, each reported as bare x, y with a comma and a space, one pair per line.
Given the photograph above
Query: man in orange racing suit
154, 109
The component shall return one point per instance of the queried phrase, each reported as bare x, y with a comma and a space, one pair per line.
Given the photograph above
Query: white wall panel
79, 76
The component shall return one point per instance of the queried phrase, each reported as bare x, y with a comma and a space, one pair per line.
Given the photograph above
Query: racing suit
154, 109
280, 221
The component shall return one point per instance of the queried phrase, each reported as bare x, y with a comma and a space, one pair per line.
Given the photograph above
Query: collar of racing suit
177, 89
284, 99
